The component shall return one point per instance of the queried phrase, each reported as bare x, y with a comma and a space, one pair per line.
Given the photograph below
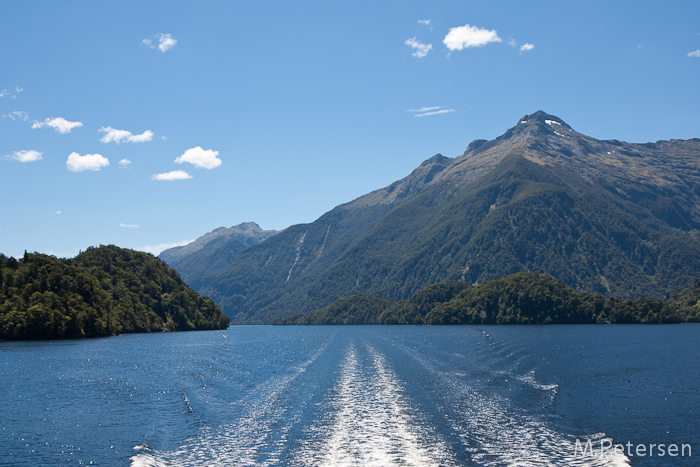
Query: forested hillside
687, 301
101, 292
521, 298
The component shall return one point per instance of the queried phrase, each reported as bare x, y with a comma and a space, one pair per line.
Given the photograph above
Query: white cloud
78, 163
466, 36
5, 92
155, 250
165, 42
428, 111
527, 46
17, 115
437, 112
61, 125
129, 226
694, 53
200, 158
424, 22
512, 43
59, 212
124, 136
421, 50
423, 109
26, 156
174, 175
124, 163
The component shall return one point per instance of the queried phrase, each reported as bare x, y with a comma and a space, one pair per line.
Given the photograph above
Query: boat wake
497, 433
370, 422
239, 443
357, 411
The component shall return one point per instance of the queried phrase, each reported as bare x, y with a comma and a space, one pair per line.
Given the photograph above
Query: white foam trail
239, 443
498, 434
371, 422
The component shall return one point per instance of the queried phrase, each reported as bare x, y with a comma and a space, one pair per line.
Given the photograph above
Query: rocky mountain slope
601, 216
201, 261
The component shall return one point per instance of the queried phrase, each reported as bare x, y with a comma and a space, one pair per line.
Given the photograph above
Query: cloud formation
173, 175
124, 136
694, 53
61, 125
4, 92
17, 115
124, 163
421, 50
428, 111
424, 22
466, 36
165, 42
527, 46
26, 156
129, 226
200, 158
78, 163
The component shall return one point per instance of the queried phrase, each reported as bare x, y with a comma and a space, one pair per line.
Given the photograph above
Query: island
103, 291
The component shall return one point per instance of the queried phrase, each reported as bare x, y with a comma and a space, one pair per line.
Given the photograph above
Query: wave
370, 422
495, 432
238, 443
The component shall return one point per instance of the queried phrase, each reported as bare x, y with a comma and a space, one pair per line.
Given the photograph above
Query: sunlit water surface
355, 396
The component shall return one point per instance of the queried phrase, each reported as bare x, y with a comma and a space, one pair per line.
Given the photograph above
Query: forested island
101, 292
521, 298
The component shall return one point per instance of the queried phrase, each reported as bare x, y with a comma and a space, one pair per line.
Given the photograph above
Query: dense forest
687, 301
521, 298
103, 291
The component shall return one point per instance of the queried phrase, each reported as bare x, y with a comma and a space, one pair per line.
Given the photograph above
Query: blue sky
276, 112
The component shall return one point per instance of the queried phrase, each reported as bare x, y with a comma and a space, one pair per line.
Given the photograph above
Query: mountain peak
247, 233
247, 226
543, 118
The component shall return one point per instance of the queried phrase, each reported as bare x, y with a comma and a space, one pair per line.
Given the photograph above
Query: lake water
356, 396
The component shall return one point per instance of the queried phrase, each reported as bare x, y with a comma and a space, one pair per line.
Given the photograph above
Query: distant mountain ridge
607, 217
201, 261
249, 233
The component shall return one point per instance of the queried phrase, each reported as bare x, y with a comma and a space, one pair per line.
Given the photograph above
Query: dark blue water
356, 396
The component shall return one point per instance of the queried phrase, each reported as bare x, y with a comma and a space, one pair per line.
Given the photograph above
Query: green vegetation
687, 301
358, 309
103, 291
522, 298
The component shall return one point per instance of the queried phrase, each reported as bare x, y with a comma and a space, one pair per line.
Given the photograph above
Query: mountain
607, 217
102, 291
521, 298
201, 261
